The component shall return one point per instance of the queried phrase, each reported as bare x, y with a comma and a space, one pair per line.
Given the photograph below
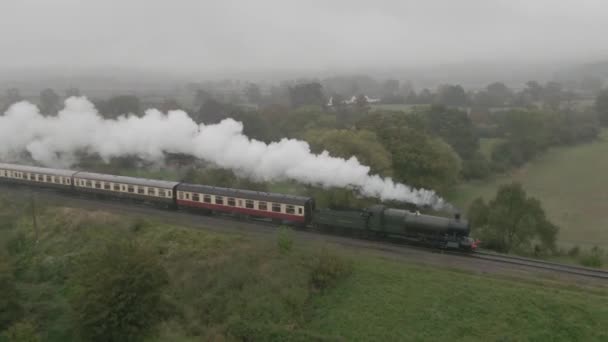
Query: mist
78, 128
220, 37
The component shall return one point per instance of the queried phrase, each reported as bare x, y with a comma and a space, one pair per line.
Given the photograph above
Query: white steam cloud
54, 141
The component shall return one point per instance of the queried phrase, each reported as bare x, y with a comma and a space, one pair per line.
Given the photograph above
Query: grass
571, 184
389, 301
228, 287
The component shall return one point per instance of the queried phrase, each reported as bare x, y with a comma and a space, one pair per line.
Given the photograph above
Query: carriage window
300, 210
169, 193
249, 204
276, 207
231, 202
89, 184
68, 181
207, 199
180, 195
161, 193
219, 200
140, 190
107, 186
196, 197
98, 185
290, 209
116, 187
262, 206
187, 195
152, 191
130, 188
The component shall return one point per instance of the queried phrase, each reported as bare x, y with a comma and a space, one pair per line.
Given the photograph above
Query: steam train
299, 211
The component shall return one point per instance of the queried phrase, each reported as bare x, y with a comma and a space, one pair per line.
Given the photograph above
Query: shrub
22, 332
593, 258
285, 240
327, 269
118, 293
574, 251
10, 308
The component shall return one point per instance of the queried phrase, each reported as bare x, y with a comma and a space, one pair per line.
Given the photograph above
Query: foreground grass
388, 301
570, 182
227, 287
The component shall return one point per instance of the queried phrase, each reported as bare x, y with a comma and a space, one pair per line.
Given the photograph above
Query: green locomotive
379, 220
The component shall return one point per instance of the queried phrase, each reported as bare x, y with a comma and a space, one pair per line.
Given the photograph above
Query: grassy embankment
226, 286
571, 182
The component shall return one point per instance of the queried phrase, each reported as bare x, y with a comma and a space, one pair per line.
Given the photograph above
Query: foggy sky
268, 34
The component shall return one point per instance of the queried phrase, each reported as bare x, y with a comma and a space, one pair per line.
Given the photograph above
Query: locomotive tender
378, 220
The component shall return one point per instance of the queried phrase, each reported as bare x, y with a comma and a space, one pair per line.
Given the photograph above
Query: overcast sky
303, 34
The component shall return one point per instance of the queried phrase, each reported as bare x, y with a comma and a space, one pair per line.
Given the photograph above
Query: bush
593, 258
117, 295
574, 251
22, 332
327, 269
10, 308
285, 241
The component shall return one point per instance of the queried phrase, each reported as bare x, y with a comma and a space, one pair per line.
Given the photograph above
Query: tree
425, 96
73, 91
13, 95
119, 105
422, 160
254, 95
50, 103
117, 293
512, 221
452, 95
213, 111
306, 94
455, 128
601, 107
419, 159
362, 144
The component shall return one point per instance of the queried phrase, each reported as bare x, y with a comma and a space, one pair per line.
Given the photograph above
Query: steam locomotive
300, 211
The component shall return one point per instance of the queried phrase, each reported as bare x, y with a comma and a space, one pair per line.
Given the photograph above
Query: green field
226, 287
571, 182
389, 301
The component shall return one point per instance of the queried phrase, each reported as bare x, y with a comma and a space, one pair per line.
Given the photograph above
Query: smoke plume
55, 140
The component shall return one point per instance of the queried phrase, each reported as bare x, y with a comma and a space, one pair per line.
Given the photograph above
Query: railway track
542, 264
266, 228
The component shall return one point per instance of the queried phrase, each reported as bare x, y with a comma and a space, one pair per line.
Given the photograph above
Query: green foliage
593, 258
327, 269
601, 107
22, 332
362, 144
306, 94
451, 95
117, 294
285, 240
419, 159
511, 221
528, 133
10, 307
